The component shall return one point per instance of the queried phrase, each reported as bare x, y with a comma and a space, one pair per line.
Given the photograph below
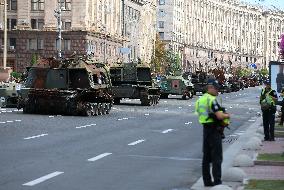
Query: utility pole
5, 36
57, 14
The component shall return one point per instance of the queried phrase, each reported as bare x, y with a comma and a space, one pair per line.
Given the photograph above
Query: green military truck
176, 85
133, 80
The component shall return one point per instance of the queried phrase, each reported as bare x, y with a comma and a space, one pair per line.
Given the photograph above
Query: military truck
176, 85
71, 86
9, 94
133, 80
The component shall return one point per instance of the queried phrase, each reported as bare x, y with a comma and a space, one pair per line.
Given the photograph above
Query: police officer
206, 106
268, 97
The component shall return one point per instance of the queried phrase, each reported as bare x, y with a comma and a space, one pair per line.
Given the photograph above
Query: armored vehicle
74, 86
200, 79
133, 80
9, 94
176, 85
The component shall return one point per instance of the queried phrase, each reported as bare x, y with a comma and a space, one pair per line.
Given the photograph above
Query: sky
277, 3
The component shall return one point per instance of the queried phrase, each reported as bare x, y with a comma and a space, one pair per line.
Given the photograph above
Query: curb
269, 163
231, 153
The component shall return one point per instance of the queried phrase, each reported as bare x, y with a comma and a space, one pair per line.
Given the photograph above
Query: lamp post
5, 35
57, 14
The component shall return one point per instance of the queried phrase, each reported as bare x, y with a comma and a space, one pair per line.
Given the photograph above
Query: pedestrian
268, 99
210, 115
281, 103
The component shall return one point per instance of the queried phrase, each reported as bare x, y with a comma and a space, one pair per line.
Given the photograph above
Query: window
12, 5
162, 2
40, 43
35, 44
37, 24
67, 45
12, 43
37, 5
161, 24
67, 25
65, 4
162, 35
162, 13
11, 24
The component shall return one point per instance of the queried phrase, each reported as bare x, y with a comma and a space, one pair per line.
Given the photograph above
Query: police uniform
212, 139
268, 114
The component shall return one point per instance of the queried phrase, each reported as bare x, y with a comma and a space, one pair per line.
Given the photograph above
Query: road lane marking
190, 122
51, 116
99, 157
125, 118
36, 136
84, 126
146, 114
9, 121
43, 178
167, 131
2, 122
251, 120
18, 120
136, 142
179, 107
119, 119
166, 110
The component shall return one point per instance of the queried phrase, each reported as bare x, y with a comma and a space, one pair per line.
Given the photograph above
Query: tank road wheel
116, 101
96, 110
183, 97
88, 110
145, 101
104, 108
100, 109
108, 107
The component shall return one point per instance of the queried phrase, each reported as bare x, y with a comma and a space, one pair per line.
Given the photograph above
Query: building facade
222, 33
88, 26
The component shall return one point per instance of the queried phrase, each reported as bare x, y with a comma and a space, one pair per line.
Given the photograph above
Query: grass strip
271, 157
265, 185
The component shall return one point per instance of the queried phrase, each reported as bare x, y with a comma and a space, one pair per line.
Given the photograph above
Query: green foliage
159, 58
16, 75
271, 157
34, 59
265, 185
263, 72
173, 63
243, 72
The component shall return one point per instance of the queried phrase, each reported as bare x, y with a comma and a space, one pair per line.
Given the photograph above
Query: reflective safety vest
268, 98
203, 108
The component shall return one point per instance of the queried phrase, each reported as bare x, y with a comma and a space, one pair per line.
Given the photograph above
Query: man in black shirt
268, 98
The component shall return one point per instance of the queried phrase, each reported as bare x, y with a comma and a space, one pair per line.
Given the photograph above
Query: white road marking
179, 107
125, 118
36, 136
9, 111
166, 110
119, 119
167, 131
239, 133
136, 142
251, 120
233, 135
99, 157
84, 126
3, 111
51, 116
190, 122
43, 178
9, 121
165, 101
2, 122
146, 114
18, 120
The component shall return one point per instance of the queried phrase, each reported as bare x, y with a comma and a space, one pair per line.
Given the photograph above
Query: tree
159, 58
34, 59
173, 63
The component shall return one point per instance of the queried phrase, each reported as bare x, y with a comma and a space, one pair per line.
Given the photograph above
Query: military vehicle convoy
73, 86
9, 94
133, 80
176, 85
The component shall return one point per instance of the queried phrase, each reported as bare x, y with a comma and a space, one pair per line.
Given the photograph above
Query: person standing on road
210, 115
268, 99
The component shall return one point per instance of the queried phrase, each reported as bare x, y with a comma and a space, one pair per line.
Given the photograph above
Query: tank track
150, 100
95, 109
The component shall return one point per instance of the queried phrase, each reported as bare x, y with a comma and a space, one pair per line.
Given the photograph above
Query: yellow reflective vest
203, 108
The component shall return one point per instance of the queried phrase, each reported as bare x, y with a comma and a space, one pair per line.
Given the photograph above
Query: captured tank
9, 94
200, 80
73, 86
133, 80
176, 85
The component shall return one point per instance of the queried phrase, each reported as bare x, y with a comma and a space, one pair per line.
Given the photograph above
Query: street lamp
57, 14
4, 3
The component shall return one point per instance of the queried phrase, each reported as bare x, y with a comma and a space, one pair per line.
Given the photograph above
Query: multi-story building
88, 26
221, 32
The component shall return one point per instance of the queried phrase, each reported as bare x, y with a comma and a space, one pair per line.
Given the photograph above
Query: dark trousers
268, 124
282, 116
212, 153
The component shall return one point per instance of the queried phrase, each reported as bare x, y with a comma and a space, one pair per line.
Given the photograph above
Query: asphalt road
132, 148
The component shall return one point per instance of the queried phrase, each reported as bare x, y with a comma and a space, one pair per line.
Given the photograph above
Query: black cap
214, 83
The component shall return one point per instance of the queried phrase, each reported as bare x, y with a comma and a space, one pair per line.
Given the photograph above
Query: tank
133, 80
199, 80
9, 94
74, 86
176, 85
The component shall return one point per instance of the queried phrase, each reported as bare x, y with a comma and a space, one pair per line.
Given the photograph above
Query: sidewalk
255, 172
